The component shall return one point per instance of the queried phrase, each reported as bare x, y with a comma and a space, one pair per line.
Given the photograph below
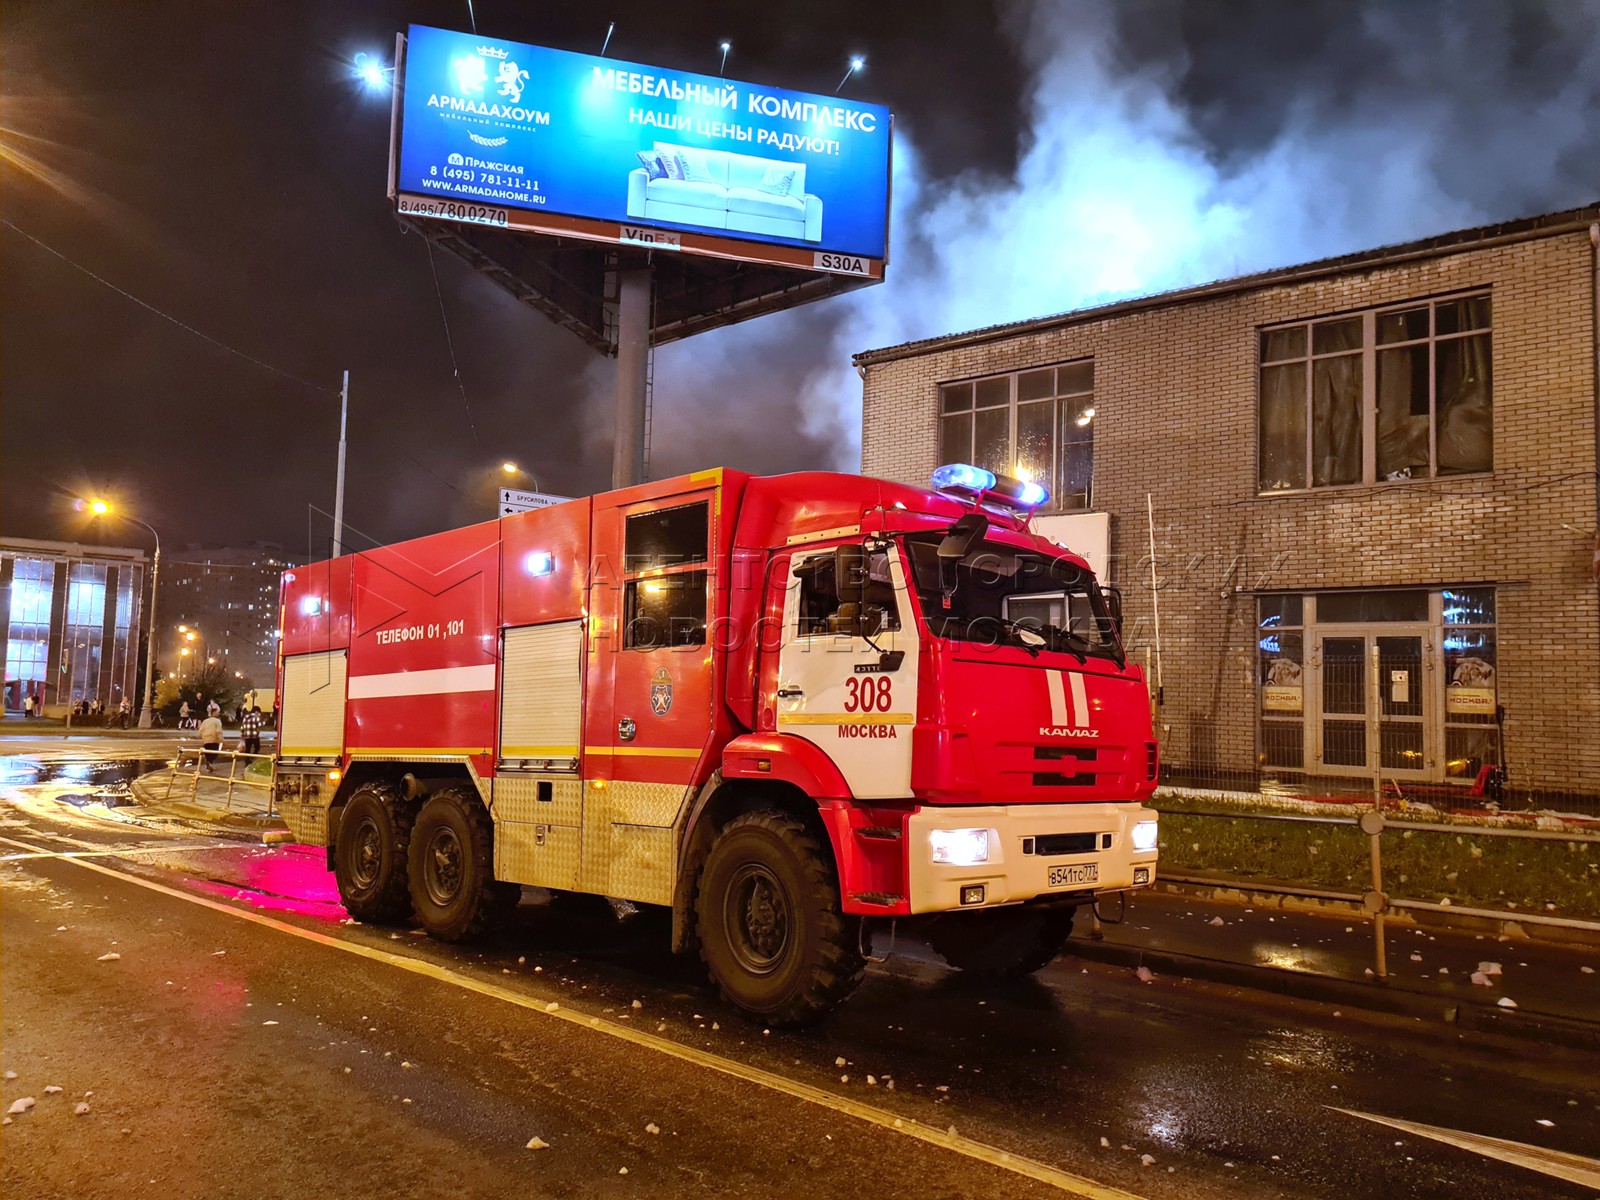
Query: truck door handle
789, 693
626, 729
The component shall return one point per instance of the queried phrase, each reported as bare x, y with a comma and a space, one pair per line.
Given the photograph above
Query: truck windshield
1000, 595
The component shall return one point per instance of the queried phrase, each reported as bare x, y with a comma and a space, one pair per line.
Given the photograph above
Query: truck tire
770, 926
369, 856
453, 888
1002, 943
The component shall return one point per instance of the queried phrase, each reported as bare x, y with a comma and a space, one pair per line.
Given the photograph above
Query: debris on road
538, 1144
21, 1105
1506, 1002
112, 956
82, 1109
53, 1090
1145, 974
1147, 1160
652, 1128
1489, 968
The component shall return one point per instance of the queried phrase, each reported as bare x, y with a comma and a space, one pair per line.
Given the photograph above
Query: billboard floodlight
372, 73
857, 63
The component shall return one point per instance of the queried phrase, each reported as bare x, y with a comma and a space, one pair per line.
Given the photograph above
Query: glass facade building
71, 617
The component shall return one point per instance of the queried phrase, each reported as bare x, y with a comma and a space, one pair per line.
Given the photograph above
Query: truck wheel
453, 887
769, 920
369, 857
1002, 943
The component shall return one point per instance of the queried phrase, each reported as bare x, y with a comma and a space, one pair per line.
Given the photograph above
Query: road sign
514, 501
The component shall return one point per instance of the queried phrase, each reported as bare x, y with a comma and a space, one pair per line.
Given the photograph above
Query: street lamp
510, 468
724, 47
102, 508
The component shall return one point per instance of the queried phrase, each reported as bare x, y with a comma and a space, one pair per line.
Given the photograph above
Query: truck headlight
959, 847
1144, 836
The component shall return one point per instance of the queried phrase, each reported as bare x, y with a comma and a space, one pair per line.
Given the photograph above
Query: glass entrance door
1370, 706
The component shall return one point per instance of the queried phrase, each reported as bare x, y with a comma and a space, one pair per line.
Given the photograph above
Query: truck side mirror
1113, 598
850, 573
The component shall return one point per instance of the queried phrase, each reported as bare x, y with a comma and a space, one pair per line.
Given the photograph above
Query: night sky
220, 162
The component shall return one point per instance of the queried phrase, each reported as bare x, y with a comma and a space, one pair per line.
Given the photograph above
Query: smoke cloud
1157, 152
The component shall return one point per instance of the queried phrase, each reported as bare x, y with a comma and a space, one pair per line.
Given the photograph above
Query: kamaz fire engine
790, 710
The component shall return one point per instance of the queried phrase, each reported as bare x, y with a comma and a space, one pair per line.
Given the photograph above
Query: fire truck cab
788, 709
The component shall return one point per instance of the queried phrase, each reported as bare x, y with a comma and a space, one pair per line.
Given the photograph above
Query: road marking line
1574, 1168
121, 853
1029, 1168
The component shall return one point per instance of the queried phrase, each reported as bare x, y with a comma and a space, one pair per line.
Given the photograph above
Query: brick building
1374, 489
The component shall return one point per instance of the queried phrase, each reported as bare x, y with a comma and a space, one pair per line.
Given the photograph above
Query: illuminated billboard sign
524, 137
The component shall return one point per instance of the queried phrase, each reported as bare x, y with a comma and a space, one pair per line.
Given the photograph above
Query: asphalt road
249, 1043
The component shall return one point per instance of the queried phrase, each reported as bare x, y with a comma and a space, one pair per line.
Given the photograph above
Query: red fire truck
790, 710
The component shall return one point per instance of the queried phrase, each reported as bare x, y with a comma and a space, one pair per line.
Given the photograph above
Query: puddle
116, 798
21, 770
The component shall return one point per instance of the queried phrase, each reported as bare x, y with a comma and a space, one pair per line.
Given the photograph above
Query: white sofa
733, 199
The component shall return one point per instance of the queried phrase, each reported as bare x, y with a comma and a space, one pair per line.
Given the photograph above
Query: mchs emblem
661, 692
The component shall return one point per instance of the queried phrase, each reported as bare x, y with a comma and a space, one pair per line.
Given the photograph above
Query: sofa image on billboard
723, 190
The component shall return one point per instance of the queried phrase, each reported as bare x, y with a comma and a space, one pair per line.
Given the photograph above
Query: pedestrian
27, 707
250, 732
124, 713
183, 715
210, 738
213, 709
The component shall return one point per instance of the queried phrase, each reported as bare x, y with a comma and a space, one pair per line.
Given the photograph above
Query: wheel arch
718, 802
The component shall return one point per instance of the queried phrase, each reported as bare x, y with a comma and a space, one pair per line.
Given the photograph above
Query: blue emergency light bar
989, 488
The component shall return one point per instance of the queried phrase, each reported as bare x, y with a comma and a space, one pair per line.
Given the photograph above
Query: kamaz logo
1064, 731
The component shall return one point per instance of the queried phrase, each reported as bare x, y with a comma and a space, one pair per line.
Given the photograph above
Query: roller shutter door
541, 695
311, 711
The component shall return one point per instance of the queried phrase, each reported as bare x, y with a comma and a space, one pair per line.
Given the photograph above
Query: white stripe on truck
438, 682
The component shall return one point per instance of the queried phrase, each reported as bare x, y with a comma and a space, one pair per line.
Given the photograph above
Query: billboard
503, 133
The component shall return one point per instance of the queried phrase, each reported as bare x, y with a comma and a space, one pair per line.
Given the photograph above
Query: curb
1375, 997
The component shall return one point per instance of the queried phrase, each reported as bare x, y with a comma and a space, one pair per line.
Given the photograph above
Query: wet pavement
251, 1059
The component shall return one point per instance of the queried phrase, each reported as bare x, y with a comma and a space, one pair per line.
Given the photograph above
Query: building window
1390, 394
1036, 424
1280, 678
28, 644
84, 634
1471, 697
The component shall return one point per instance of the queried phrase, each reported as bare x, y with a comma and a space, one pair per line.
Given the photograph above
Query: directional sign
514, 501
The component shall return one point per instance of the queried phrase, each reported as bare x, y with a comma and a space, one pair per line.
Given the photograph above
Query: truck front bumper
1032, 851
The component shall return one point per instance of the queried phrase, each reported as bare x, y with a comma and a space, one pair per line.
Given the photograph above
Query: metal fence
1376, 902
202, 760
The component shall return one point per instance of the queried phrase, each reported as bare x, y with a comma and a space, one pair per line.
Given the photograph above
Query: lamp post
146, 714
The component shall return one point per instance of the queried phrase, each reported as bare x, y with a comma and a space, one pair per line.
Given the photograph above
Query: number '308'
868, 694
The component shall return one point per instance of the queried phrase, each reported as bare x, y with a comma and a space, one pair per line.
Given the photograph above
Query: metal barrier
1376, 902
202, 760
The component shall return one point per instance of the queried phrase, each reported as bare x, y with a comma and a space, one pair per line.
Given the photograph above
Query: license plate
1077, 875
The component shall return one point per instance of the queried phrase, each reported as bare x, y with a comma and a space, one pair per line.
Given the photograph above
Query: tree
211, 681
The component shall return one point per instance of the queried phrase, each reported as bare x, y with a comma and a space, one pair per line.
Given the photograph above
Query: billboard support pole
633, 354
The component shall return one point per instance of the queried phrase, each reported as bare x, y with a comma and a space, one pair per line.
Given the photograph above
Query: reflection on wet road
1162, 1089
